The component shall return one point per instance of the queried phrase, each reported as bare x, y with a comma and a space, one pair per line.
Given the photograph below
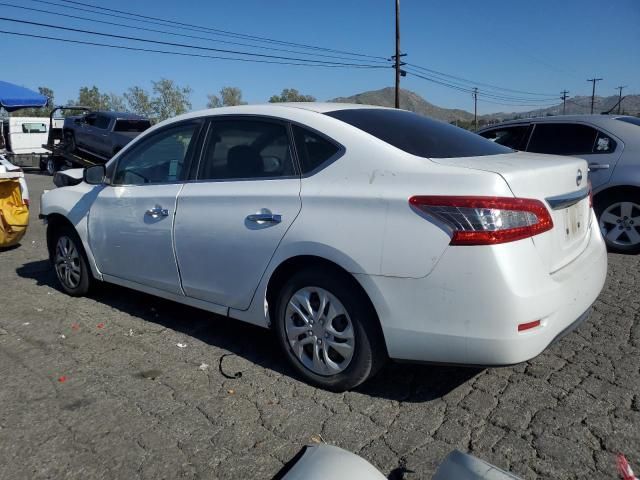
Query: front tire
328, 330
619, 220
70, 262
51, 166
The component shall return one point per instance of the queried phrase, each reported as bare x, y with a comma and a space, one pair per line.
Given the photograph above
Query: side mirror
94, 175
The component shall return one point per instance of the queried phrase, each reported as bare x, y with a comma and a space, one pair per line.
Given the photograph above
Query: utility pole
564, 101
475, 108
593, 91
397, 55
620, 96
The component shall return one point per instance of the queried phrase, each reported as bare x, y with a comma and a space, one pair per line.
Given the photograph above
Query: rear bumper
467, 311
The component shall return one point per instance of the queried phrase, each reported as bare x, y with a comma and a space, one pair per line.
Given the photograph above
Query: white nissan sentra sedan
356, 233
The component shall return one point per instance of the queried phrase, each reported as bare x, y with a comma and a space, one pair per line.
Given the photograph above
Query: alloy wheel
620, 224
67, 262
319, 331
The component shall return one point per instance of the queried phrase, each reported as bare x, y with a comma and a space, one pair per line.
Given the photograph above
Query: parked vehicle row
611, 145
355, 233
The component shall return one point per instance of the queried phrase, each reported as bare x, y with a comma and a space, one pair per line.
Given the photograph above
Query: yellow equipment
14, 214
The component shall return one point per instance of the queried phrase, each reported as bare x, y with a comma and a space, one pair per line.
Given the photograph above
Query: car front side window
513, 137
160, 158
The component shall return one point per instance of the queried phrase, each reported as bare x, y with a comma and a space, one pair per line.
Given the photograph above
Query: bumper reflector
529, 325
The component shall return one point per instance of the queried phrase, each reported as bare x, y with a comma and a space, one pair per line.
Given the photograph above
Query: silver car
611, 145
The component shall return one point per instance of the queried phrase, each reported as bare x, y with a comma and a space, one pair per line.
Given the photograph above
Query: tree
170, 99
229, 96
38, 112
91, 98
291, 95
116, 103
139, 101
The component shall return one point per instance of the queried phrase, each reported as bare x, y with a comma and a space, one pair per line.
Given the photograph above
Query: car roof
594, 119
120, 115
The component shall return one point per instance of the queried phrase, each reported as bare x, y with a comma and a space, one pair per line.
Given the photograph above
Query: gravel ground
126, 385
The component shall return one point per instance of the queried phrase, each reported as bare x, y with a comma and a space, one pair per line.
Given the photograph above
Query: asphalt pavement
127, 385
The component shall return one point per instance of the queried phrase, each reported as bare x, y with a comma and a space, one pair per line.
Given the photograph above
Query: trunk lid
560, 182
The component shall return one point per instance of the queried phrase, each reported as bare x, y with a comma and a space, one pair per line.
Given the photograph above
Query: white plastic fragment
62, 336
181, 345
203, 367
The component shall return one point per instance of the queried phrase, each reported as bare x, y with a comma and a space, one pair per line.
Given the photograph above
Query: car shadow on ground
396, 381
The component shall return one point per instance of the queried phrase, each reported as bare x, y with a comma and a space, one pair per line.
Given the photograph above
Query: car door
100, 139
131, 220
231, 220
84, 130
595, 146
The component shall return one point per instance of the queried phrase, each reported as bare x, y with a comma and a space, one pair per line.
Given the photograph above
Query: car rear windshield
417, 134
632, 120
131, 125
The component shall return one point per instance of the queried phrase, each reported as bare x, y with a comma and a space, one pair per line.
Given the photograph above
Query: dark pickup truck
102, 134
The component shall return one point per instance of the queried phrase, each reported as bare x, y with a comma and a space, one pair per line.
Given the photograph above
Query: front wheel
51, 166
328, 330
70, 263
619, 221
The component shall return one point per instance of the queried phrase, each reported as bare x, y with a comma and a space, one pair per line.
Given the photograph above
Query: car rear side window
513, 137
417, 134
313, 150
563, 139
246, 149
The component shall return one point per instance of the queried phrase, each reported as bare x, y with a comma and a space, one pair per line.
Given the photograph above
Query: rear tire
51, 166
70, 262
619, 221
328, 330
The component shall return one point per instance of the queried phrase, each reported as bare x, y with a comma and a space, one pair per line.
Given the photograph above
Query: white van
24, 137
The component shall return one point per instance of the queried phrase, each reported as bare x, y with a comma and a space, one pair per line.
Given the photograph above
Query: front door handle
157, 212
598, 166
264, 218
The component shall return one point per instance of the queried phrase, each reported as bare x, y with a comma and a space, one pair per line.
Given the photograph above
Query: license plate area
574, 222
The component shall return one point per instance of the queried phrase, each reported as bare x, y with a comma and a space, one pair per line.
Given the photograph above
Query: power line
182, 54
473, 82
154, 20
564, 100
165, 32
173, 44
454, 86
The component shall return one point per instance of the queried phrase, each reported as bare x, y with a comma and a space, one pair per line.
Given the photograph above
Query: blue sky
535, 46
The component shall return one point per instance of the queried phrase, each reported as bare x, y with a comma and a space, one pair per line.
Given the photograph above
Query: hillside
415, 103
409, 100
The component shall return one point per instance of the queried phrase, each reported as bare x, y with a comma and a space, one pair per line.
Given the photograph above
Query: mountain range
412, 101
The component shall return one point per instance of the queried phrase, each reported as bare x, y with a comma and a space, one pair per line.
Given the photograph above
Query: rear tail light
486, 220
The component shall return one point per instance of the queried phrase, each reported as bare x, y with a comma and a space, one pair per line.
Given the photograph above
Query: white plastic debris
39, 309
62, 336
181, 345
130, 334
26, 323
203, 367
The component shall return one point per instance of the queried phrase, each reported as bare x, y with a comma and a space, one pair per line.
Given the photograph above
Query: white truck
23, 139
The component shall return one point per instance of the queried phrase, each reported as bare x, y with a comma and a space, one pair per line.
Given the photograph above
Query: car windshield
632, 120
131, 125
417, 134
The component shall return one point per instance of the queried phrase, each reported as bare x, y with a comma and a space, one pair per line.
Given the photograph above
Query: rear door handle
264, 218
598, 166
157, 212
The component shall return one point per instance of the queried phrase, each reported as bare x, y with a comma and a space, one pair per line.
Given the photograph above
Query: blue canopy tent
14, 97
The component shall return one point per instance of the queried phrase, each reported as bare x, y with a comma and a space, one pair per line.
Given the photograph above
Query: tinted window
102, 122
238, 149
159, 159
632, 120
131, 125
604, 144
34, 128
513, 137
562, 139
313, 150
90, 119
417, 134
